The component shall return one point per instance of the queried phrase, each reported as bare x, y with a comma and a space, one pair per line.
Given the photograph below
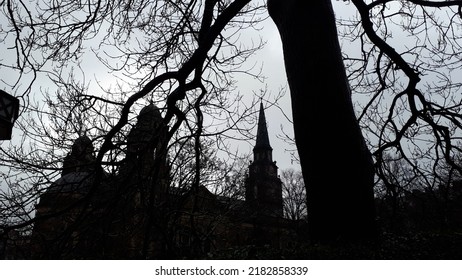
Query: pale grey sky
273, 68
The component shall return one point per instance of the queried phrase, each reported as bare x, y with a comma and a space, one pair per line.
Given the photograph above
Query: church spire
263, 187
262, 149
262, 132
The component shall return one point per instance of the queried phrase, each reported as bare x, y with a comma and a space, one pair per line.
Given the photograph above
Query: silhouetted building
137, 214
263, 186
88, 214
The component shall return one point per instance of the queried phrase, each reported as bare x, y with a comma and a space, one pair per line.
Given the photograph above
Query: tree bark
336, 164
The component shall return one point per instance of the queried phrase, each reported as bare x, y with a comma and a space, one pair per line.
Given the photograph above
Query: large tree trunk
336, 164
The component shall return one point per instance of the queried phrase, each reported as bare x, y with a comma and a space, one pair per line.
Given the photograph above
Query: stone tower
263, 186
143, 185
81, 158
146, 167
56, 233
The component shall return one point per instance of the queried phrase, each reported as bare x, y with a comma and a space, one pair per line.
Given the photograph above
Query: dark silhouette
264, 188
186, 57
327, 134
138, 214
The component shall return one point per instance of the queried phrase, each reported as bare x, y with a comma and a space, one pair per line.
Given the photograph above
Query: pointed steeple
262, 132
262, 149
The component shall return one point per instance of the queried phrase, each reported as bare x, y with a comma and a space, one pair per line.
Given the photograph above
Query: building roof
74, 182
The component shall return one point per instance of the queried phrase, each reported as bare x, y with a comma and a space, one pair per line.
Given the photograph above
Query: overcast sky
270, 58
273, 68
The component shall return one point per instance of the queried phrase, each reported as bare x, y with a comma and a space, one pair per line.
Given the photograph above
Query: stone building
137, 214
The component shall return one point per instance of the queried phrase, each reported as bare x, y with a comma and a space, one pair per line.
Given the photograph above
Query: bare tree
185, 55
294, 194
412, 108
392, 192
182, 56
